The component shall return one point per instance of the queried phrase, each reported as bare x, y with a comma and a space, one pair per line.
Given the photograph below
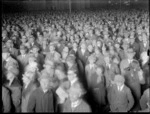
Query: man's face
99, 44
59, 74
22, 52
35, 50
83, 46
44, 84
119, 84
71, 75
107, 59
31, 40
25, 79
90, 48
10, 76
52, 48
73, 95
130, 56
132, 40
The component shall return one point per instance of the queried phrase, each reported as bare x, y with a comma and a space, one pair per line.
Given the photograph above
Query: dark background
37, 5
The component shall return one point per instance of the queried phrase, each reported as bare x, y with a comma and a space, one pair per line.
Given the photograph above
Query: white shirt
83, 51
73, 81
75, 104
120, 88
91, 66
130, 61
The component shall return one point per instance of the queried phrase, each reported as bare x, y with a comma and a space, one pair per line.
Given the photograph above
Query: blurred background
37, 5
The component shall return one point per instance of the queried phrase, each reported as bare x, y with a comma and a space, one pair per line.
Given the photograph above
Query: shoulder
4, 90
85, 106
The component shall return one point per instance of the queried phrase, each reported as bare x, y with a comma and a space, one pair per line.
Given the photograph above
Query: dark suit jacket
15, 92
6, 102
82, 107
83, 57
26, 94
136, 48
23, 62
120, 101
40, 101
111, 72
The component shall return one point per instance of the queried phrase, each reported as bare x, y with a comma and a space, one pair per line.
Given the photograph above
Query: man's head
35, 49
23, 49
9, 44
107, 59
92, 59
31, 39
10, 76
27, 77
90, 48
75, 92
60, 72
130, 53
119, 80
144, 56
44, 80
51, 48
71, 75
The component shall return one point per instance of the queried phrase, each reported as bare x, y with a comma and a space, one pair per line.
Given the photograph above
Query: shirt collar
121, 87
73, 81
76, 103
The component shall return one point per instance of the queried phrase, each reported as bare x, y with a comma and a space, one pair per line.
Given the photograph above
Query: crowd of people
87, 61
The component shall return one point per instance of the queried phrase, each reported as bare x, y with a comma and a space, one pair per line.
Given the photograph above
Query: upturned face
73, 95
10, 76
44, 84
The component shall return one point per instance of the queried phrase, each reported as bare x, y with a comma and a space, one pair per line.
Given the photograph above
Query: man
136, 47
8, 61
90, 68
29, 85
83, 54
125, 63
13, 51
23, 59
144, 99
6, 100
39, 57
144, 45
120, 98
75, 103
111, 69
71, 63
42, 99
145, 68
32, 42
14, 86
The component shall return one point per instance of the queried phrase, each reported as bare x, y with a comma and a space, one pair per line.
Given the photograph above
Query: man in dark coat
42, 99
15, 90
13, 51
120, 98
6, 101
83, 54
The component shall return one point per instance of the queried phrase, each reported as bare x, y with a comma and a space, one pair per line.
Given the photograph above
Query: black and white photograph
87, 56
